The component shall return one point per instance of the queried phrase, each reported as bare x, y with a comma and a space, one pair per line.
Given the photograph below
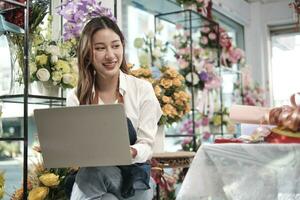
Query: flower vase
16, 73
46, 88
159, 141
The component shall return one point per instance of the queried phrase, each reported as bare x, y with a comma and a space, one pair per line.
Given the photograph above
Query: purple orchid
77, 13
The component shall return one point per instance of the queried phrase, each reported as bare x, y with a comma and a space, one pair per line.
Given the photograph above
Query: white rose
43, 74
188, 78
54, 59
68, 79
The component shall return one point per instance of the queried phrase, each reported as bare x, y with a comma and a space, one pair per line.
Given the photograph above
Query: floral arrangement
203, 75
217, 117
143, 73
252, 92
254, 95
151, 49
52, 63
2, 182
170, 91
45, 184
77, 13
208, 38
201, 127
201, 6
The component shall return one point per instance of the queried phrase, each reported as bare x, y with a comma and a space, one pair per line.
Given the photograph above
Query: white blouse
141, 107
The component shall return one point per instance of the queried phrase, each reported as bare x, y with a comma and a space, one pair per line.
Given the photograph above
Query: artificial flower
38, 193
49, 179
77, 13
43, 74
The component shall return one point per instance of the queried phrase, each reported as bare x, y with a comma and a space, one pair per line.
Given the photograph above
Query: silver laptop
83, 136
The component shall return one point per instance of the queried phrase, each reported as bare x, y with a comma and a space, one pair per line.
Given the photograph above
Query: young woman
103, 79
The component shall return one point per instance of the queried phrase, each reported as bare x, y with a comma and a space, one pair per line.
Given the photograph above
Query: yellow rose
146, 72
179, 102
172, 73
41, 59
168, 110
180, 77
166, 83
157, 90
176, 82
39, 193
49, 179
166, 99
63, 65
217, 120
18, 195
187, 108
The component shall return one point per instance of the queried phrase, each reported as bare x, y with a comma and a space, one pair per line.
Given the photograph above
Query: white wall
256, 17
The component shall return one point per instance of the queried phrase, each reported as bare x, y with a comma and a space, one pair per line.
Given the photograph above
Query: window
285, 66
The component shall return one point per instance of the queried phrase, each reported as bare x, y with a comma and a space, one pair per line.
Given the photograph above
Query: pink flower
206, 135
204, 40
212, 36
183, 63
179, 26
205, 29
209, 67
235, 55
205, 121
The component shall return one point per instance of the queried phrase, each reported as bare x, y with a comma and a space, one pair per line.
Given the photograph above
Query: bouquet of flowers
45, 184
52, 63
208, 38
171, 94
2, 181
143, 73
201, 75
170, 91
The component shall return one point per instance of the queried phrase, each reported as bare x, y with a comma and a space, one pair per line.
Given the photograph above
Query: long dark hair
85, 56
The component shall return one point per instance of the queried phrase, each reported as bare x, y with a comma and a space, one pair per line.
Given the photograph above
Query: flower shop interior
224, 72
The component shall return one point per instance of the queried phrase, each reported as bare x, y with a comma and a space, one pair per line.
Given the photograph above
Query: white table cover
243, 172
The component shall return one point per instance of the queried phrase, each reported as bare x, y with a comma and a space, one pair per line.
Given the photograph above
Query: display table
243, 172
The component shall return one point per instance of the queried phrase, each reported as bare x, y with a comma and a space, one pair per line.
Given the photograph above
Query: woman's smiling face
107, 52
